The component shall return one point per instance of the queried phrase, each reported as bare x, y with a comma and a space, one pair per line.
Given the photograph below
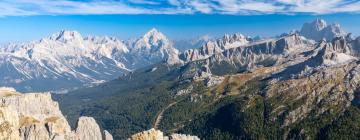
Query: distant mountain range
67, 61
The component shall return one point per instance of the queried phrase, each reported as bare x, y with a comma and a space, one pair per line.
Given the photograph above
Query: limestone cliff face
35, 116
87, 129
153, 134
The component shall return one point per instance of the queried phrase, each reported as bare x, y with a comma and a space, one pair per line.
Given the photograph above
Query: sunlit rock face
153, 134
35, 116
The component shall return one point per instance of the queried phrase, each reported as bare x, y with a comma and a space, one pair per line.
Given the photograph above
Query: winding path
160, 115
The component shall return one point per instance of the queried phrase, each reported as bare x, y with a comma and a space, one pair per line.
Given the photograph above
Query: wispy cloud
200, 6
240, 7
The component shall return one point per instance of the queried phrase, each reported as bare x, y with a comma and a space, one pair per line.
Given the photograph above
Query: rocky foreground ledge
153, 134
35, 116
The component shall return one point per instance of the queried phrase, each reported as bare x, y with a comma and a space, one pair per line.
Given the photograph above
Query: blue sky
25, 20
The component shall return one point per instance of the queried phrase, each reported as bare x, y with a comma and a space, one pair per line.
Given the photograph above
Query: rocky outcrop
213, 47
87, 129
9, 123
183, 137
107, 136
288, 49
266, 53
153, 134
35, 116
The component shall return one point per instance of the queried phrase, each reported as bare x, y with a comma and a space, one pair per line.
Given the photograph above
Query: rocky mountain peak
154, 46
238, 38
319, 24
316, 25
212, 47
66, 35
155, 38
153, 31
318, 29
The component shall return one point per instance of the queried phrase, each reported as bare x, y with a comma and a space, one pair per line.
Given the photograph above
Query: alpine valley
299, 85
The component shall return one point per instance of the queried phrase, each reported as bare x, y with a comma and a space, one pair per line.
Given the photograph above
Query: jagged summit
153, 31
212, 47
316, 25
235, 40
152, 38
318, 30
66, 35
319, 24
154, 46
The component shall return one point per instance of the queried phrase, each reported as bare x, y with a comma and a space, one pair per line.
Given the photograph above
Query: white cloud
72, 7
144, 2
203, 7
354, 7
316, 6
174, 2
259, 6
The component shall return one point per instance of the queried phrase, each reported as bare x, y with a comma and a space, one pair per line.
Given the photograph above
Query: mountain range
299, 85
66, 60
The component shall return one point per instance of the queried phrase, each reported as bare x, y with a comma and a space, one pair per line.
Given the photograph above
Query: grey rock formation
87, 128
35, 116
265, 53
213, 47
153, 134
183, 137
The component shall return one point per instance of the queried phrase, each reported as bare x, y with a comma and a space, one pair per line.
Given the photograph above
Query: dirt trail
160, 115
